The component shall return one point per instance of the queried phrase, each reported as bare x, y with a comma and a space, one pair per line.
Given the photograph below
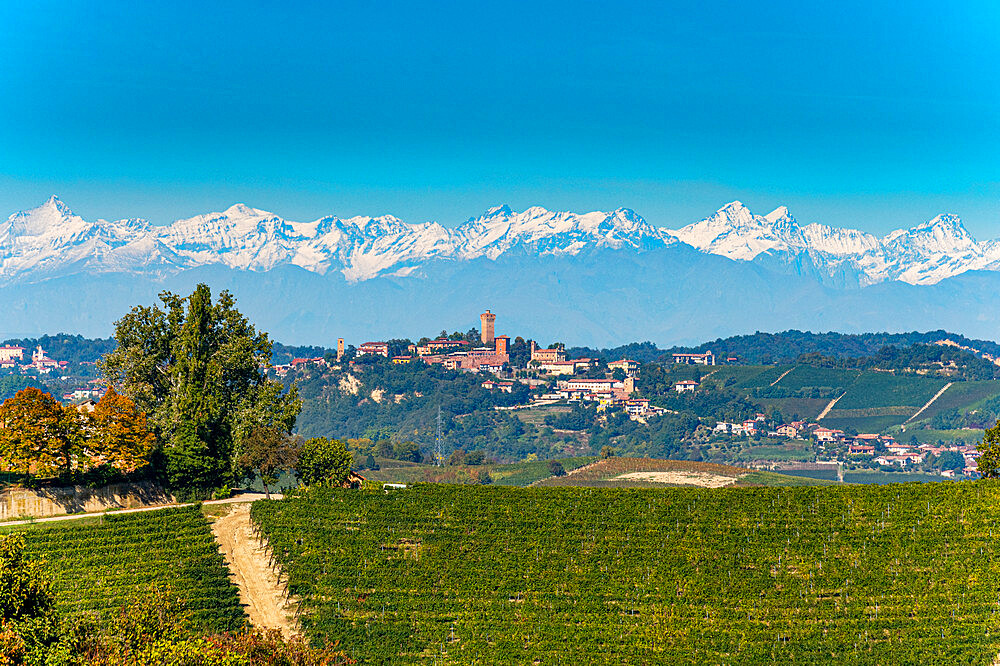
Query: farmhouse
828, 435
708, 358
789, 430
686, 386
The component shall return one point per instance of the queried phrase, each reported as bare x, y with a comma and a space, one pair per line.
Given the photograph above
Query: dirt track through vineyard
248, 563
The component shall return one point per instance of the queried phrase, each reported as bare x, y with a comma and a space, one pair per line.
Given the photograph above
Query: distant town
556, 379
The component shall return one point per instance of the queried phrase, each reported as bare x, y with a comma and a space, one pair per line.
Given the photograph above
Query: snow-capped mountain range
51, 241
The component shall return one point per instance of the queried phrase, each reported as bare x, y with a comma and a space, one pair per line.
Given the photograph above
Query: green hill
902, 574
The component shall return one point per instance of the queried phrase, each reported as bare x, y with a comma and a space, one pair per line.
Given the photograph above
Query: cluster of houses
93, 392
12, 356
896, 453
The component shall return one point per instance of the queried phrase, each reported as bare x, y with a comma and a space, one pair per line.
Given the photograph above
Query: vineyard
512, 474
906, 573
97, 567
655, 473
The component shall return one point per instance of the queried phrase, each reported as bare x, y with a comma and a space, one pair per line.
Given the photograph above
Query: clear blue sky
852, 115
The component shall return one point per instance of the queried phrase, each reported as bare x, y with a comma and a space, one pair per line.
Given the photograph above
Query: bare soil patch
681, 478
259, 588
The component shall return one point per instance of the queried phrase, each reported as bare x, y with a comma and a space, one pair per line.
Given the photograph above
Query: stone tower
487, 319
340, 348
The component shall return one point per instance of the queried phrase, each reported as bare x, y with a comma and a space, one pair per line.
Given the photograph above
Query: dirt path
826, 410
248, 564
929, 402
782, 375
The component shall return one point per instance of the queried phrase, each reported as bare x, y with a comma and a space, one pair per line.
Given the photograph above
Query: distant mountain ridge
924, 254
591, 279
51, 240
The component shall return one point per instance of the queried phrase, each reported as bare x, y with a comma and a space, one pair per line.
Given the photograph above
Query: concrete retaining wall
40, 503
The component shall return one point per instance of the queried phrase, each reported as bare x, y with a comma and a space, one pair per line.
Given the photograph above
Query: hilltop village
78, 388
548, 380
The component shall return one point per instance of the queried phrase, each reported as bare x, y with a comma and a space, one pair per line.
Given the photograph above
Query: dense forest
787, 346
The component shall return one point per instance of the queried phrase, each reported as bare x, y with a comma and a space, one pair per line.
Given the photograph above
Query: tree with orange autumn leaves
41, 437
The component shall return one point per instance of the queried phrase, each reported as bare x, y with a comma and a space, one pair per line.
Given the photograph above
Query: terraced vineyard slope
469, 574
97, 567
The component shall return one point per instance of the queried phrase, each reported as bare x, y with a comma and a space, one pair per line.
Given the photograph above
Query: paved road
242, 497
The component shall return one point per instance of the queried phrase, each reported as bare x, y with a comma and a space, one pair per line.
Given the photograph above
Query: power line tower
438, 454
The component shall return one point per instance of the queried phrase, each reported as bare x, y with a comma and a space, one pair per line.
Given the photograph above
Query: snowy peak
734, 232
944, 233
538, 230
51, 240
924, 254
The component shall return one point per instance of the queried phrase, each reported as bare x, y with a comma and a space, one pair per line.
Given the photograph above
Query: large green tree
989, 453
324, 461
197, 368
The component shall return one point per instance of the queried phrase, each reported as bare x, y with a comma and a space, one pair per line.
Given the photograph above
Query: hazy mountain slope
673, 295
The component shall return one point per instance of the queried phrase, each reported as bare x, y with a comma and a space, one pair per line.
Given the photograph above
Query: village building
686, 386
860, 449
626, 365
41, 363
558, 368
826, 435
788, 430
441, 345
374, 349
547, 355
402, 360
501, 344
11, 354
299, 363
708, 358
904, 460
636, 406
488, 320
505, 387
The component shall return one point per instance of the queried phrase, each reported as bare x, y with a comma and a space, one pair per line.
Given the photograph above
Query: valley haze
598, 278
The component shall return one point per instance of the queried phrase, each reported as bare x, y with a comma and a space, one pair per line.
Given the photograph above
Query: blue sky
852, 115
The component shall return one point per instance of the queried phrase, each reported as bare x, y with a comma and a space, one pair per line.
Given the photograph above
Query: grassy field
98, 564
893, 574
